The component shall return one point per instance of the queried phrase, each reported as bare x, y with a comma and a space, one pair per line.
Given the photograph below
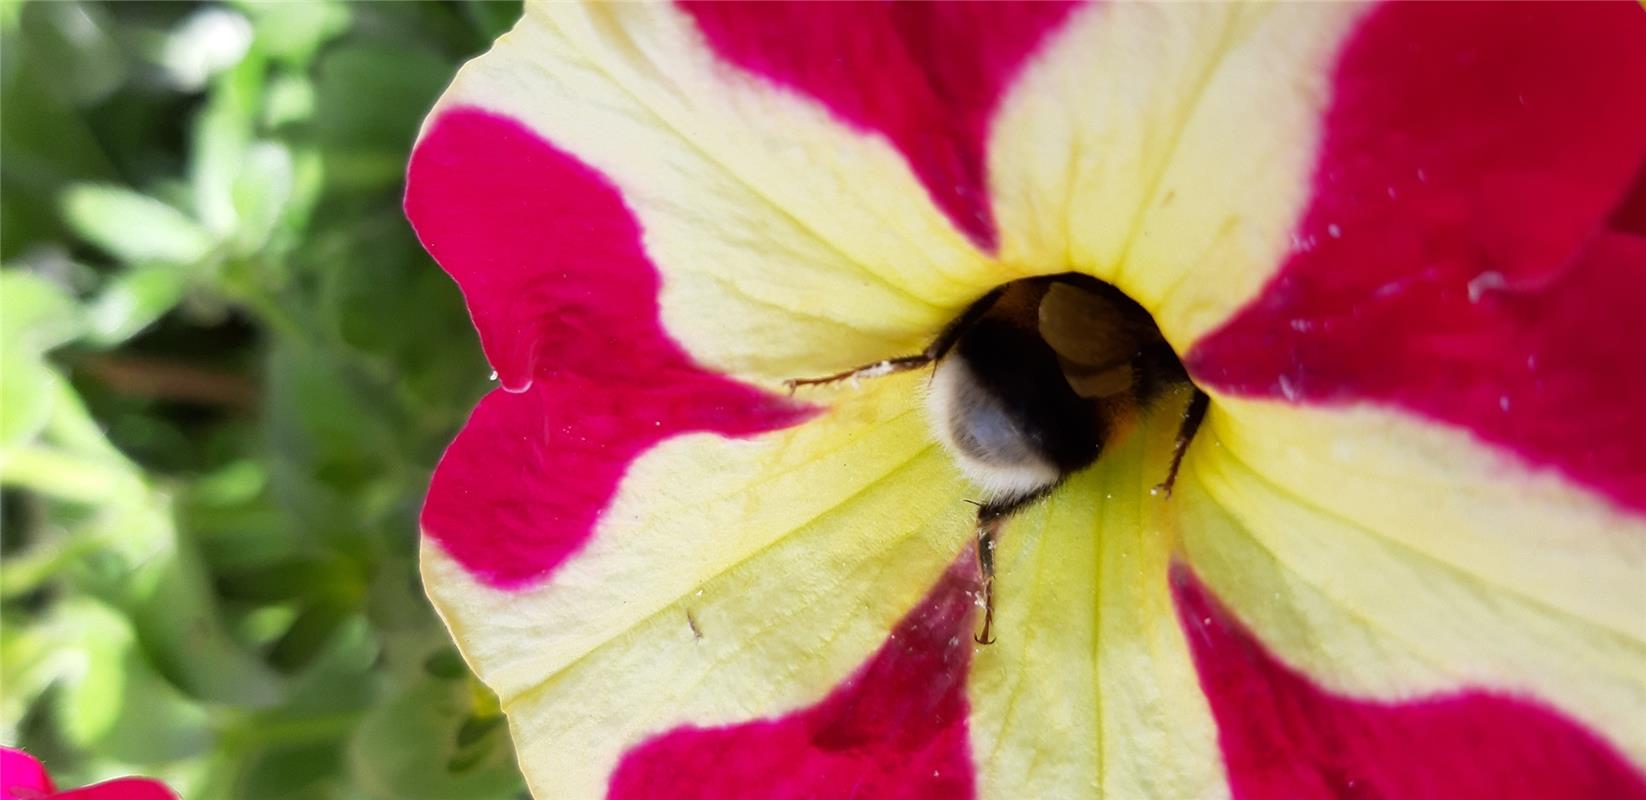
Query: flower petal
23, 777
565, 300
1376, 552
895, 728
1403, 589
927, 76
120, 789
1167, 148
1453, 259
1284, 737
1089, 690
727, 580
22, 773
752, 200
722, 580
1392, 560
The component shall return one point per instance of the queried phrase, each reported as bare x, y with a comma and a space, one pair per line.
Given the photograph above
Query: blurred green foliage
226, 371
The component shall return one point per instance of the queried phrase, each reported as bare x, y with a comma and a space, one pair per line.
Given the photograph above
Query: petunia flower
22, 777
1402, 247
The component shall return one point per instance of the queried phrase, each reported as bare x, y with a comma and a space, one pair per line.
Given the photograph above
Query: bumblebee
1030, 383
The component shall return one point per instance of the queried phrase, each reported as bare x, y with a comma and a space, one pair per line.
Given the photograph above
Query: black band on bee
1032, 401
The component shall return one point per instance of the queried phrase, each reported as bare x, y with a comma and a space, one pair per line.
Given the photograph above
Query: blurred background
226, 371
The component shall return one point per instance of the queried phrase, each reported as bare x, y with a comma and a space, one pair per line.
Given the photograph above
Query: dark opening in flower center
1034, 379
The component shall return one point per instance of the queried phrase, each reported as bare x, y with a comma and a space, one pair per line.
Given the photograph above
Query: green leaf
206, 42
308, 184
445, 664
134, 300
372, 97
294, 32
25, 398
134, 227
332, 443
73, 428
475, 728
290, 99
407, 749
35, 315
114, 703
260, 194
221, 135
281, 581
175, 613
283, 773
31, 660
235, 483
45, 140
71, 42
151, 572
307, 636
492, 18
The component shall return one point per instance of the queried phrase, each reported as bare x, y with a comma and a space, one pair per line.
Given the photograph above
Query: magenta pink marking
1630, 216
928, 76
895, 730
21, 774
119, 789
23, 777
1456, 260
1283, 738
565, 300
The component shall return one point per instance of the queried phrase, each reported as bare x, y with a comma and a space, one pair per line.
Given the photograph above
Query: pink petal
120, 789
20, 774
1284, 737
1455, 261
927, 76
565, 300
895, 729
23, 777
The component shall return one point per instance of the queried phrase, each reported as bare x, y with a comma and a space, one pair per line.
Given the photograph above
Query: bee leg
991, 516
1193, 415
891, 366
989, 519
